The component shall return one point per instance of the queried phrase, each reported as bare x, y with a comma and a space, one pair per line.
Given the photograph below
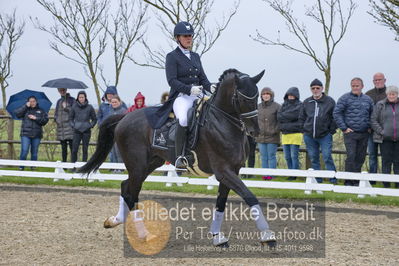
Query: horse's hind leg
130, 190
218, 238
232, 181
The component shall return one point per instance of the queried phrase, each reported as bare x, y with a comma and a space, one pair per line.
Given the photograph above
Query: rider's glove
213, 88
196, 90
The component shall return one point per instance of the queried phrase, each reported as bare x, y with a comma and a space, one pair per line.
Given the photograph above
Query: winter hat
268, 91
79, 93
393, 89
316, 82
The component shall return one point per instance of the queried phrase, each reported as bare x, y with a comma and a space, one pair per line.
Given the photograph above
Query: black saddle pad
164, 137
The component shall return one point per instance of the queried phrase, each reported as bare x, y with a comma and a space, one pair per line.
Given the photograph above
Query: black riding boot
180, 141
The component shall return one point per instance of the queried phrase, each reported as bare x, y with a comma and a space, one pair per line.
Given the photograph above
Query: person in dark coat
186, 79
319, 127
61, 117
376, 94
291, 128
33, 120
385, 123
352, 115
269, 135
83, 119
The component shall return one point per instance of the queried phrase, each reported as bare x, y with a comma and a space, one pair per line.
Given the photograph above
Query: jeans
115, 156
77, 138
64, 148
313, 146
356, 150
268, 154
373, 154
291, 154
27, 142
390, 157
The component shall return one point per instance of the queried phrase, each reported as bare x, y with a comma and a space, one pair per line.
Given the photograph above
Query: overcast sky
367, 48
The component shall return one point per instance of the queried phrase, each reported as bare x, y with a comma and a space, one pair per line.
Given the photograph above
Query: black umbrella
20, 98
65, 83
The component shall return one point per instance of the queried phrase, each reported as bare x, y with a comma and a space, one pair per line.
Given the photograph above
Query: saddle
164, 137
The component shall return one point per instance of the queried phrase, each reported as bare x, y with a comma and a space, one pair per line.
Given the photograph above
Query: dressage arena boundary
172, 177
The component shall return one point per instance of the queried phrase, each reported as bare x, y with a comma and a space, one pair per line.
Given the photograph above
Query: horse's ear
258, 77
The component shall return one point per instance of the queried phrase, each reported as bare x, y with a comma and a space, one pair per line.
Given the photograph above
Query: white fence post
211, 178
59, 171
365, 184
172, 173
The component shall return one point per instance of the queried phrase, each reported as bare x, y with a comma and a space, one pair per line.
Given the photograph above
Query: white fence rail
308, 186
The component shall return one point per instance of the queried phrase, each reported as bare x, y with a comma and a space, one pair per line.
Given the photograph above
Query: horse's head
243, 92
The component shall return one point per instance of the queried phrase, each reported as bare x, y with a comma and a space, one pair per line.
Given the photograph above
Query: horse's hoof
111, 222
270, 244
268, 238
220, 241
224, 245
149, 237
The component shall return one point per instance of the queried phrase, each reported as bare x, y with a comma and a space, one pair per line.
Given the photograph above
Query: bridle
235, 101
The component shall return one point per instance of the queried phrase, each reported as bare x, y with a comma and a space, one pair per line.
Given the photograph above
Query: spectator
33, 120
269, 135
139, 102
61, 117
164, 97
352, 115
104, 109
83, 118
319, 127
116, 108
377, 94
291, 128
385, 123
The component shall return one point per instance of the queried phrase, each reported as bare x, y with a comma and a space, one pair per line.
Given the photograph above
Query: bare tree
78, 27
10, 32
386, 12
125, 30
170, 12
334, 23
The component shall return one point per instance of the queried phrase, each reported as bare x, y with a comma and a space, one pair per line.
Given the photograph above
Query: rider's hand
213, 88
196, 90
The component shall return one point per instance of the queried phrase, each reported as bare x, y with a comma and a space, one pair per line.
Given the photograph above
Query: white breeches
181, 106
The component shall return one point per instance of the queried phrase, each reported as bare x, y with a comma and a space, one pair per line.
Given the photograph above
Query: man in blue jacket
352, 115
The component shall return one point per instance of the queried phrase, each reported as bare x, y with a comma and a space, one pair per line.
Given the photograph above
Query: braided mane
228, 71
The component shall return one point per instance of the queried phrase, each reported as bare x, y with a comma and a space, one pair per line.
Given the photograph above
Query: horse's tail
105, 142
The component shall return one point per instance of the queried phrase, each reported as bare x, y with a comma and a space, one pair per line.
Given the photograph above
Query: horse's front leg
218, 214
231, 180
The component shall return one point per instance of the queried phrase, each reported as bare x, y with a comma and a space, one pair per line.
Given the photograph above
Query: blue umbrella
20, 98
65, 83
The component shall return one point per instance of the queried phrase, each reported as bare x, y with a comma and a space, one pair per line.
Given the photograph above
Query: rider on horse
186, 79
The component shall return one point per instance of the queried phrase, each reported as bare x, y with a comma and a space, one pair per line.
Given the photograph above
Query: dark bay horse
221, 149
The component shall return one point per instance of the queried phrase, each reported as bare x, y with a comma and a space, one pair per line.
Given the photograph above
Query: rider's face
185, 40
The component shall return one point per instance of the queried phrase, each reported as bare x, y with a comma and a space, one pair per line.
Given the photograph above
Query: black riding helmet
183, 28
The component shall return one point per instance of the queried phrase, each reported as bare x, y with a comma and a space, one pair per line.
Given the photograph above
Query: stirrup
184, 162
